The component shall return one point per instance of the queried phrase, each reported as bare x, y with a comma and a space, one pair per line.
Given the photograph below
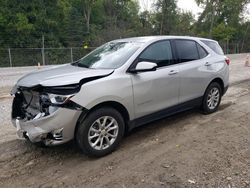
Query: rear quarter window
202, 52
214, 46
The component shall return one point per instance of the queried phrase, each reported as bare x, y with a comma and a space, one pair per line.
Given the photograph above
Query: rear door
193, 69
156, 90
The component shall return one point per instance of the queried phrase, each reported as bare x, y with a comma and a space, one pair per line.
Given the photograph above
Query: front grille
26, 105
17, 111
32, 99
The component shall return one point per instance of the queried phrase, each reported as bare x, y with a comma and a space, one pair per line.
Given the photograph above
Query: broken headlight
59, 95
59, 99
51, 102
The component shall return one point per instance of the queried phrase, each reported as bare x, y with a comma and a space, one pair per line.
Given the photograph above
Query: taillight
227, 61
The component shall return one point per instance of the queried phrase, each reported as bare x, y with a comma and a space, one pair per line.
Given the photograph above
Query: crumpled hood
60, 75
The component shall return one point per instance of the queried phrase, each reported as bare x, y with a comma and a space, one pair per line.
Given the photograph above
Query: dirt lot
185, 150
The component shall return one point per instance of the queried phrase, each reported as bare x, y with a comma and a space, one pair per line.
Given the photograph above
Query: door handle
172, 72
207, 64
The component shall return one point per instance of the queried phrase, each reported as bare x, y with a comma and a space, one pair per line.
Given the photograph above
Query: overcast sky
187, 5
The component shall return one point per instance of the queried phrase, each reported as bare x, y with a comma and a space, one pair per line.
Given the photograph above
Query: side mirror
144, 67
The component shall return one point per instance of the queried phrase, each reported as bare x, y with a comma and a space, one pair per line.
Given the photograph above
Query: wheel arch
220, 82
113, 104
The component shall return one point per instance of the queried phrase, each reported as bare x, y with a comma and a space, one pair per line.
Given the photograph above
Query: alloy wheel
213, 98
103, 133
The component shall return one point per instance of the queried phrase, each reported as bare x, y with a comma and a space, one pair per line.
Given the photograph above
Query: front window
111, 55
159, 53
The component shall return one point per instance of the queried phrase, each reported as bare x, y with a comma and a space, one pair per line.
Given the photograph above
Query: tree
87, 8
217, 12
71, 23
167, 16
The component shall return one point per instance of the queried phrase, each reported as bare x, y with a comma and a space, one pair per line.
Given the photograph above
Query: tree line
77, 23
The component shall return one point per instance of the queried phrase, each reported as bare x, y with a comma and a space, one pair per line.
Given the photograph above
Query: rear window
186, 50
214, 46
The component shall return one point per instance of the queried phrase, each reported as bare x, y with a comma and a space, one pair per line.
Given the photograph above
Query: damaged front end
35, 112
37, 102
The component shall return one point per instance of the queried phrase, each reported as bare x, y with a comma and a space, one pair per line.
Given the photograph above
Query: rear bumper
53, 129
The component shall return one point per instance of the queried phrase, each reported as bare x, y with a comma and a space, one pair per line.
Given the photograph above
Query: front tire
212, 98
100, 132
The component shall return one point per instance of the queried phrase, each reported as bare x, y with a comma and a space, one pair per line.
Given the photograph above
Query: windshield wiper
82, 65
77, 63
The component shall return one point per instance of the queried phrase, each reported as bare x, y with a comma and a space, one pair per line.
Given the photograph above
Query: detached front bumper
54, 129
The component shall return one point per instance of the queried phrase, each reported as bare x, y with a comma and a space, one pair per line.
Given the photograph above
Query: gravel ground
9, 76
185, 150
6, 131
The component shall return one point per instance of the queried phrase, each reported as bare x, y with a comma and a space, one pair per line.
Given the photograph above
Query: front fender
112, 88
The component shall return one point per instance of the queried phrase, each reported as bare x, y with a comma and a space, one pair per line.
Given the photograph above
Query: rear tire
212, 98
100, 132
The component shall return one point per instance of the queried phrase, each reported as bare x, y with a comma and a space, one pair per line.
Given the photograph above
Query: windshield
111, 55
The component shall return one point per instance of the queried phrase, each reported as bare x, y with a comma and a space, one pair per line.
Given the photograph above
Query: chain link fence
235, 47
15, 57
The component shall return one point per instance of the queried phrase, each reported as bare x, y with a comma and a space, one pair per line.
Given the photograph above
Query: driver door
156, 90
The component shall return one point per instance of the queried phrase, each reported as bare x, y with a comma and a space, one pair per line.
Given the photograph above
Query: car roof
145, 39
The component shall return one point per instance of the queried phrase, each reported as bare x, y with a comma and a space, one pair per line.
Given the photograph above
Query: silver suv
119, 86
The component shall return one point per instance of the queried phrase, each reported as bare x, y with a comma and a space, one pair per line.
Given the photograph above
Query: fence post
71, 55
10, 57
225, 48
228, 46
43, 57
